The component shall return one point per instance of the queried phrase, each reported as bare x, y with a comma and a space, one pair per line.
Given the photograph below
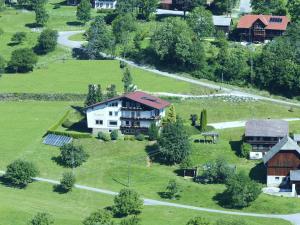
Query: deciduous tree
127, 202
83, 12
73, 156
42, 218
99, 217
22, 60
47, 41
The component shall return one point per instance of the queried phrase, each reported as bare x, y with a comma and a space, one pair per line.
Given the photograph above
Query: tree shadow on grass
6, 182
58, 160
259, 173
74, 23
12, 44
236, 147
80, 54
59, 189
33, 25
153, 153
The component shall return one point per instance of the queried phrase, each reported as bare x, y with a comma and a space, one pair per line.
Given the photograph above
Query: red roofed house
261, 27
130, 113
166, 4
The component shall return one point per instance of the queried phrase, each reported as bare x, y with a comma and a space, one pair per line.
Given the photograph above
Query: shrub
42, 219
129, 138
217, 172
172, 190
18, 37
139, 137
198, 221
67, 182
245, 150
67, 123
98, 217
103, 136
47, 41
230, 222
22, 60
114, 135
131, 221
241, 190
2, 65
127, 202
123, 64
73, 156
153, 132
21, 172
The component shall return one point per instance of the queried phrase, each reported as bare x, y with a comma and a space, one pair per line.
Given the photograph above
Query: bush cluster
104, 136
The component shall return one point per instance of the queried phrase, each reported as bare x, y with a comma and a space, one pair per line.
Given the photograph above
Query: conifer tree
203, 120
127, 80
111, 91
84, 11
171, 116
91, 97
98, 94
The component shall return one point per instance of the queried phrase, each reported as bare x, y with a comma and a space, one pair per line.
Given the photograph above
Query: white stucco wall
275, 181
256, 155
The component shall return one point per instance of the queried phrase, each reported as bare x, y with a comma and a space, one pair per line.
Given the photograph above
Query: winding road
63, 40
293, 218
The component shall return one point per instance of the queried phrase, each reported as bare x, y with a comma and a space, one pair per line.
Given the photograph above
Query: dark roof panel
266, 128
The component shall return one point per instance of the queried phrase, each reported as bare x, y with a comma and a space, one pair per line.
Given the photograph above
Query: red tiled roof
248, 20
140, 97
170, 2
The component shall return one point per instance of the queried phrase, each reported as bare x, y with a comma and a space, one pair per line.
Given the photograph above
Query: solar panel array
275, 20
57, 140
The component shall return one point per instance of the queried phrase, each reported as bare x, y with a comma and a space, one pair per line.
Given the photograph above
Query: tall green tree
73, 156
203, 120
147, 7
224, 6
127, 202
127, 80
171, 115
201, 22
111, 91
22, 60
94, 95
47, 41
294, 10
2, 5
21, 173
127, 6
122, 26
41, 14
173, 143
275, 7
241, 190
83, 12
174, 42
153, 132
100, 39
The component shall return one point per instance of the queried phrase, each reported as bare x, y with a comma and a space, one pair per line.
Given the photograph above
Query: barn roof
271, 22
266, 128
285, 144
140, 97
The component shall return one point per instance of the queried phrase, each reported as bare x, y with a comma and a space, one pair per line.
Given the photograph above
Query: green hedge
53, 129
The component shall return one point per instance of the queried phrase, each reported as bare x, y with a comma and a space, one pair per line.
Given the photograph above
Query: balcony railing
135, 108
140, 118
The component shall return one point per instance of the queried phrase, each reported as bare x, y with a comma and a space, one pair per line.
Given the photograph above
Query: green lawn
24, 123
72, 76
77, 37
222, 110
73, 207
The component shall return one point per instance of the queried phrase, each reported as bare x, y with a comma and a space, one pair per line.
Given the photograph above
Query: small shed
222, 23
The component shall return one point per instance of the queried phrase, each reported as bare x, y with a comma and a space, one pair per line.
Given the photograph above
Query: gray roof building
266, 128
222, 21
285, 144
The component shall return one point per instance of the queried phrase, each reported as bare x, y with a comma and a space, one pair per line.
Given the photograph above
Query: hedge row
42, 97
53, 129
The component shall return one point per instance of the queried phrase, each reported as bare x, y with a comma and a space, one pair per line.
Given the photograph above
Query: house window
110, 113
138, 114
127, 123
99, 122
116, 113
113, 123
277, 178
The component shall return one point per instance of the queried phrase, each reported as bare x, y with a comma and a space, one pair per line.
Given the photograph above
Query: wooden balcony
140, 118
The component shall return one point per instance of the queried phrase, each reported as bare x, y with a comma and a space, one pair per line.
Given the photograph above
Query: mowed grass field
24, 123
73, 76
72, 208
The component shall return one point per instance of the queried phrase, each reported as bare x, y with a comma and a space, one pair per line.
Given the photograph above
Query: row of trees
277, 7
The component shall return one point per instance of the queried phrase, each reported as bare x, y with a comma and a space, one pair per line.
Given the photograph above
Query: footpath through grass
72, 208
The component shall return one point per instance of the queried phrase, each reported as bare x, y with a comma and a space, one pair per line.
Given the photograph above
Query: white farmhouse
129, 113
105, 4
